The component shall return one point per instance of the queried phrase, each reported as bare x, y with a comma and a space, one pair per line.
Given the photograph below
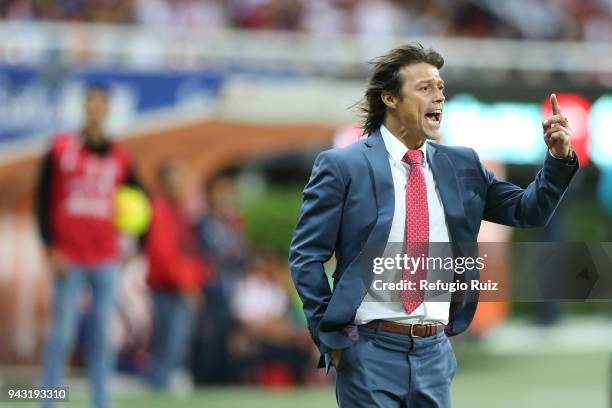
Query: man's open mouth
434, 117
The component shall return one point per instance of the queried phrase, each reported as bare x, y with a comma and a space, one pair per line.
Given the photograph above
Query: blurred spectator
596, 22
379, 17
431, 18
17, 10
75, 207
176, 274
153, 12
324, 17
95, 11
108, 11
224, 247
269, 349
222, 228
195, 14
252, 14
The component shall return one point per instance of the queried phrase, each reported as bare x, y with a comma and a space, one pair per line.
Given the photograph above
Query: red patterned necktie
416, 235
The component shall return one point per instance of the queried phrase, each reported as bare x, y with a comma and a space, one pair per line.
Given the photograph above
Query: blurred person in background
114, 11
75, 207
222, 229
176, 274
224, 246
193, 14
424, 192
267, 347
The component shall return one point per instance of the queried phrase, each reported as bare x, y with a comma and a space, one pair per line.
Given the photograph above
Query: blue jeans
98, 352
388, 370
172, 329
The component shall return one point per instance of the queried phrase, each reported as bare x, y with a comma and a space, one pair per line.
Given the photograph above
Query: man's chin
433, 136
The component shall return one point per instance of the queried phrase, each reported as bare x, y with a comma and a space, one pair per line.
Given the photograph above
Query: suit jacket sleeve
533, 206
315, 237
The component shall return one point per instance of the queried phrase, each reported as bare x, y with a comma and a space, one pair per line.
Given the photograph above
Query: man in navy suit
398, 186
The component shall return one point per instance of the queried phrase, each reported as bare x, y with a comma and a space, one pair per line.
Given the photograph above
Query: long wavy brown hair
386, 77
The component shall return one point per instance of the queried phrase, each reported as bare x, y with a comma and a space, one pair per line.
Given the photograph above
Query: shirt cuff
570, 159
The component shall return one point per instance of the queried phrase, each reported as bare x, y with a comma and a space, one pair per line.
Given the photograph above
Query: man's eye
424, 88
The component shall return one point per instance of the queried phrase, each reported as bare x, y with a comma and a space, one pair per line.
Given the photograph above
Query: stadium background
259, 86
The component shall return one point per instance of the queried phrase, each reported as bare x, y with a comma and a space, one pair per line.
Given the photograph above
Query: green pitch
566, 380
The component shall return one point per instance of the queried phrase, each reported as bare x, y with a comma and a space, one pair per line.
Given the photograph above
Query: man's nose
440, 98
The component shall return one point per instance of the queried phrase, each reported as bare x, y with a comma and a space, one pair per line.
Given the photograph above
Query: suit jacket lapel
447, 184
384, 194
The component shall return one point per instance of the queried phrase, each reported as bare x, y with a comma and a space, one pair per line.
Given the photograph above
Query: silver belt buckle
412, 331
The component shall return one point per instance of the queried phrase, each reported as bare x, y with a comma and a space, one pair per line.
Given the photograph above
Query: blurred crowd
206, 306
234, 318
572, 20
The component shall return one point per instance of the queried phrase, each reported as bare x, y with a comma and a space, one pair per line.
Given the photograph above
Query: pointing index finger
555, 105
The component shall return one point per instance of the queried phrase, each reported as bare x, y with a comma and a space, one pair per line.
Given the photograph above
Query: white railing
132, 47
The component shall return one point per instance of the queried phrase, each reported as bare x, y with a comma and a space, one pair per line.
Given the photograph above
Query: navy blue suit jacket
349, 202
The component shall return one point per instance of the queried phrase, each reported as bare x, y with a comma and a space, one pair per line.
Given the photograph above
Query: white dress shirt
373, 308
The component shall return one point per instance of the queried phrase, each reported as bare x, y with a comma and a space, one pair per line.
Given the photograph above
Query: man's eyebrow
429, 81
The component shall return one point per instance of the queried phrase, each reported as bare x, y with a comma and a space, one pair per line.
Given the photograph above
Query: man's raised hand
557, 132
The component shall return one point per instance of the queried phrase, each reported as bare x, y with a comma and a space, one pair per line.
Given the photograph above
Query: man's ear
389, 99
